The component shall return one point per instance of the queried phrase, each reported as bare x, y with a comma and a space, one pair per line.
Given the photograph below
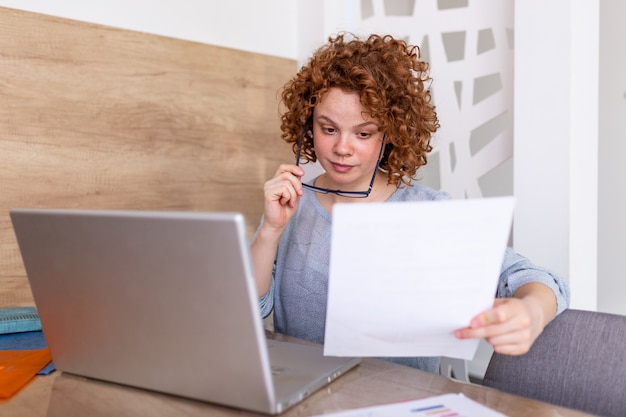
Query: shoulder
417, 192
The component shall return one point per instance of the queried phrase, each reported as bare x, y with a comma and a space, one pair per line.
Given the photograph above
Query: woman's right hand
282, 196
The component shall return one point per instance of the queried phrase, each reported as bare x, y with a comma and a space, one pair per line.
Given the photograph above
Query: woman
362, 109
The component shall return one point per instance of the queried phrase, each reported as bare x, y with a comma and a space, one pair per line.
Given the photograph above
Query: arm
281, 197
263, 252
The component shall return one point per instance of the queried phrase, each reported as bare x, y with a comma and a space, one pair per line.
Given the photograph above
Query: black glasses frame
350, 194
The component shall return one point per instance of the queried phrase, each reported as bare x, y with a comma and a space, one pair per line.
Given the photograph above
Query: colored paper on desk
17, 367
453, 405
404, 276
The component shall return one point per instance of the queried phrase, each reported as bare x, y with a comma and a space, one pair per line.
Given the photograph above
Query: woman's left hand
513, 324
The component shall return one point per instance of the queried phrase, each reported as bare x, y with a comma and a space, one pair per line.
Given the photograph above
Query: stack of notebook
18, 320
23, 349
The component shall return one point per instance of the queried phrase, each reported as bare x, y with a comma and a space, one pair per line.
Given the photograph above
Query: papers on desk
443, 405
404, 276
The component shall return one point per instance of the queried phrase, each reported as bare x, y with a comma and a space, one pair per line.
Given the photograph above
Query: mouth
341, 168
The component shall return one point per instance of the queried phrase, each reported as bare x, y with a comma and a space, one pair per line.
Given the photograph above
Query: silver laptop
164, 301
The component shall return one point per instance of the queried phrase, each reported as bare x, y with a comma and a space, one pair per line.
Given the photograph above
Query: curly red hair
393, 87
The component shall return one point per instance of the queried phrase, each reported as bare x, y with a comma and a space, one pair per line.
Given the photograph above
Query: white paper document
442, 405
403, 276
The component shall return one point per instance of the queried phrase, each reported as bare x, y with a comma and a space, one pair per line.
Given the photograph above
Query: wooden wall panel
98, 117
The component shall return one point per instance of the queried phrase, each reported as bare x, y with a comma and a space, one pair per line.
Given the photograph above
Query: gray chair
579, 362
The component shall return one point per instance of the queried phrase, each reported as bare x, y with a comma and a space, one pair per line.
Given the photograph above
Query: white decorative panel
470, 48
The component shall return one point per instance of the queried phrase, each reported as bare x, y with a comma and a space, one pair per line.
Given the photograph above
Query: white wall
612, 191
556, 139
263, 26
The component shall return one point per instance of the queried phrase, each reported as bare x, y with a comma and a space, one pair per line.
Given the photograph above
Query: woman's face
347, 141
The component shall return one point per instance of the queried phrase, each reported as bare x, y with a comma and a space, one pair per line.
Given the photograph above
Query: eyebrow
362, 125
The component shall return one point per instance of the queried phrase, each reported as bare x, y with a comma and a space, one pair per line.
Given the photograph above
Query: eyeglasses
351, 194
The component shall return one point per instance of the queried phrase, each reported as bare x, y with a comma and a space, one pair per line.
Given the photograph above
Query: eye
364, 135
328, 130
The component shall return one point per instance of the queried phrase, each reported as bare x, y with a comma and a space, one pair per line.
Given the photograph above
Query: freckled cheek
323, 148
370, 155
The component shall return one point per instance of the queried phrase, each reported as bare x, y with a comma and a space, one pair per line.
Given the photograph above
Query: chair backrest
579, 362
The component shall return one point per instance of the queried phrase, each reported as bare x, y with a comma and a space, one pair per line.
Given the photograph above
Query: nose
343, 146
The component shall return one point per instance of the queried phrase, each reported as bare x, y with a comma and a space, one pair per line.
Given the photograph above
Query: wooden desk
373, 382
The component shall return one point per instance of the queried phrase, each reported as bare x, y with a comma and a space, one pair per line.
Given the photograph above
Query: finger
291, 174
481, 332
283, 191
294, 170
516, 337
498, 320
290, 198
516, 348
504, 336
285, 174
488, 318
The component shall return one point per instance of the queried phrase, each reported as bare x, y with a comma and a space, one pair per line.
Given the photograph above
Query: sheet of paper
403, 276
441, 405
